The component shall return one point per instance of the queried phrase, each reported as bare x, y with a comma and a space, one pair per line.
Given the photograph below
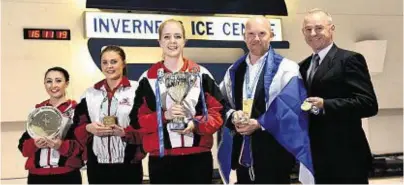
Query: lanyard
159, 112
249, 88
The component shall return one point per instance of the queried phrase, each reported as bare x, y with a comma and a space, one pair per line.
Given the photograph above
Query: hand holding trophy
175, 110
40, 142
47, 122
178, 85
53, 143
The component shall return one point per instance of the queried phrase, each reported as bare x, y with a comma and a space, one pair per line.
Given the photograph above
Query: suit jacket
338, 141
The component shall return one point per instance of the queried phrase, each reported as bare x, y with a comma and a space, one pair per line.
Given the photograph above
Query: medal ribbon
204, 108
159, 118
246, 158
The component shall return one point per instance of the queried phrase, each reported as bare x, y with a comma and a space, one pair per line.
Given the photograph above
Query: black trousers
115, 173
73, 177
186, 169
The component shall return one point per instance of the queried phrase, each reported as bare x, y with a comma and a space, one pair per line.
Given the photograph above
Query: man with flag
265, 128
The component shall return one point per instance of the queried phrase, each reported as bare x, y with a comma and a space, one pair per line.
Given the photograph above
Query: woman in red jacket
177, 156
58, 160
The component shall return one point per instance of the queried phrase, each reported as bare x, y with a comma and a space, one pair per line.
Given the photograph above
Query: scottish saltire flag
283, 119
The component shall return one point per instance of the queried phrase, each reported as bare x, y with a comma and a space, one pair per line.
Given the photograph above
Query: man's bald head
258, 20
257, 35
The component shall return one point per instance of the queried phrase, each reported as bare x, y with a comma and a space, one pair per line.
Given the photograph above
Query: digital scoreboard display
46, 34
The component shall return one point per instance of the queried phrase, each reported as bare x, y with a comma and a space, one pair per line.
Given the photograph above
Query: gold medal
109, 120
306, 106
247, 107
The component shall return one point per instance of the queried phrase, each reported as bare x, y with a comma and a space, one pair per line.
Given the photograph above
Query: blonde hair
161, 27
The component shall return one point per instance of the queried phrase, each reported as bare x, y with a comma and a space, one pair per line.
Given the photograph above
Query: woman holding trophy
113, 148
179, 107
54, 156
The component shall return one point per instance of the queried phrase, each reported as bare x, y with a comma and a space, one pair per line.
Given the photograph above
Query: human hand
40, 142
239, 118
190, 128
316, 101
248, 129
174, 111
98, 129
117, 130
53, 143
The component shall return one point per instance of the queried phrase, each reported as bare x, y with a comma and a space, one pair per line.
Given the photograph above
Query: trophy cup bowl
178, 85
45, 121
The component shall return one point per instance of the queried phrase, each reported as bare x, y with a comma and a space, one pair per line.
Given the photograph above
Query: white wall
386, 131
25, 61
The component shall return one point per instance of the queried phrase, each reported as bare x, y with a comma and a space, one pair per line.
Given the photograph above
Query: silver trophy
47, 122
178, 85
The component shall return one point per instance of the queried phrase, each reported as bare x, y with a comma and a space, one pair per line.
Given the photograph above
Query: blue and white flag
283, 119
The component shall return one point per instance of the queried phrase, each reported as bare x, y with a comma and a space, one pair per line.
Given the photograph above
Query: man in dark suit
339, 84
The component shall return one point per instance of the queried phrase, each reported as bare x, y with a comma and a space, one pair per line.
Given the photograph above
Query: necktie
315, 60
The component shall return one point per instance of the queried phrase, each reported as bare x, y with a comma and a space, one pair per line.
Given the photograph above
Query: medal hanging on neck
247, 107
108, 110
249, 88
246, 157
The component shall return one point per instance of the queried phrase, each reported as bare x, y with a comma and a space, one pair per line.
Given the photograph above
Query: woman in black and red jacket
182, 156
113, 151
54, 161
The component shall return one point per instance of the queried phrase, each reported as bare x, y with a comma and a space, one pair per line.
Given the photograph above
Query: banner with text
145, 26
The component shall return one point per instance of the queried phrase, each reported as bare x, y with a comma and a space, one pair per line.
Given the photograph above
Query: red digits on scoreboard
47, 34
34, 33
61, 35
